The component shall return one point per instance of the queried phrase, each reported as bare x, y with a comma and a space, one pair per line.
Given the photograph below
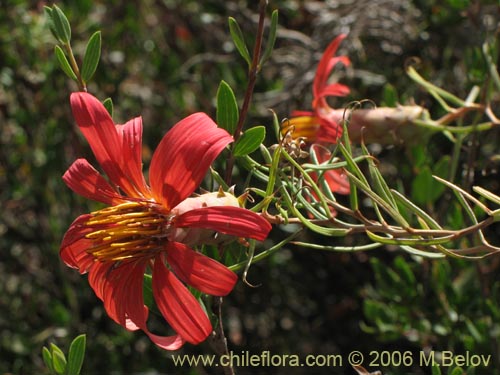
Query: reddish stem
252, 78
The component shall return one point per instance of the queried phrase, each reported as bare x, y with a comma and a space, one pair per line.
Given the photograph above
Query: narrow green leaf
437, 92
58, 359
348, 249
378, 201
238, 40
409, 241
251, 252
63, 62
227, 108
325, 231
271, 38
487, 194
264, 254
421, 253
92, 55
433, 224
50, 21
378, 181
148, 290
352, 166
250, 141
465, 194
266, 154
218, 178
47, 359
76, 355
276, 126
108, 104
61, 25
48, 12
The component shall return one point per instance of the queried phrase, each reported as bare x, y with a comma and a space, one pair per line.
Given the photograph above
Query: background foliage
164, 59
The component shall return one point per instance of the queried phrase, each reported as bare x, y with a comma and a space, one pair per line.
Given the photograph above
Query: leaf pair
61, 29
228, 117
239, 40
56, 362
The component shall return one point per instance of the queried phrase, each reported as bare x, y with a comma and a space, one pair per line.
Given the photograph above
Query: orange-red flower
323, 124
142, 227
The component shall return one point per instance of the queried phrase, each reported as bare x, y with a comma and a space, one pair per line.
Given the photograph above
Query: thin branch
252, 78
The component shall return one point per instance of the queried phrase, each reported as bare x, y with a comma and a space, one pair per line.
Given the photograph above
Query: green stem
74, 66
265, 254
484, 126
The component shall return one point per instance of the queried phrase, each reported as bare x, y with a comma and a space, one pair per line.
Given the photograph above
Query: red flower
140, 227
323, 123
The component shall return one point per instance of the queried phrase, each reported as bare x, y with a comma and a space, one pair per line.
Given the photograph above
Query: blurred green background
164, 59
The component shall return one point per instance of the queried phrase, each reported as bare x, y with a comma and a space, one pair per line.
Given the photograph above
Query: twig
252, 78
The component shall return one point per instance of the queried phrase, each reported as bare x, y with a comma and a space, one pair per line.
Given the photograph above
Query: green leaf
238, 40
63, 62
227, 108
108, 104
404, 270
92, 55
424, 188
250, 141
486, 194
272, 37
48, 13
76, 355
409, 241
58, 359
435, 369
47, 359
456, 371
61, 25
390, 96
379, 184
148, 290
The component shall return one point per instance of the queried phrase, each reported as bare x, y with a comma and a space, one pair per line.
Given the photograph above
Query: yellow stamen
128, 230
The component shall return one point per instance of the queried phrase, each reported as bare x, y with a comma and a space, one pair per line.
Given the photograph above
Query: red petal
200, 271
120, 287
230, 220
183, 157
131, 137
335, 89
324, 66
173, 342
74, 245
338, 181
301, 113
104, 285
105, 141
83, 179
179, 307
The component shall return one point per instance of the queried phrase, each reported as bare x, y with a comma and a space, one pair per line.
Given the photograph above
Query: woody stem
252, 78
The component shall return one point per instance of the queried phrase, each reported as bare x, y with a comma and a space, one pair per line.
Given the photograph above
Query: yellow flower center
129, 230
